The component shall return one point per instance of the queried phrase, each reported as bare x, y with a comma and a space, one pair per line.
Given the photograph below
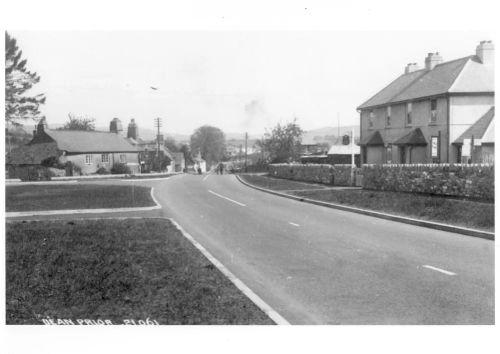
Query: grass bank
75, 196
464, 213
116, 270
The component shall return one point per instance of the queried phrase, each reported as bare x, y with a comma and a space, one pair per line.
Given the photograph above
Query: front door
402, 154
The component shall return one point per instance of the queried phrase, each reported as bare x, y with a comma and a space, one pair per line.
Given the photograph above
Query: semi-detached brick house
422, 116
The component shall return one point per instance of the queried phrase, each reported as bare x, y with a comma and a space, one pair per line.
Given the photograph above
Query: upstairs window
388, 117
371, 118
408, 113
104, 157
88, 159
433, 111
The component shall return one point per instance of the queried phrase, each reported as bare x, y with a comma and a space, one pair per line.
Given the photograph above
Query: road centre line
439, 270
223, 197
208, 175
294, 224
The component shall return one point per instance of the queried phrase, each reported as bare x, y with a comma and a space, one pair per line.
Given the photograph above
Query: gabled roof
415, 137
77, 141
479, 128
461, 75
373, 139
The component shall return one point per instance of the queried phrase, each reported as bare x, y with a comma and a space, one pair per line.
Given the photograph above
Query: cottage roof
78, 141
461, 75
373, 139
479, 128
415, 137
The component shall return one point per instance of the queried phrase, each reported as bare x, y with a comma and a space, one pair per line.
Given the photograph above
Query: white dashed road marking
294, 224
221, 196
439, 270
204, 178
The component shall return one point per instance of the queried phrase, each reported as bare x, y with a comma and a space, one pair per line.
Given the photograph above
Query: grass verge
75, 196
464, 213
116, 270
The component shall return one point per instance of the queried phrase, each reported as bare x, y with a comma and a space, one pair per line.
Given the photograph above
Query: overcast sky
238, 81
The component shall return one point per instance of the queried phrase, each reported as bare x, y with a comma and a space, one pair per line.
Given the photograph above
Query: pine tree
18, 80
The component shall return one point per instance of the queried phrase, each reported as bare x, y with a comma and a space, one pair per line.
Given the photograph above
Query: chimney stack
432, 60
411, 67
115, 126
133, 130
486, 52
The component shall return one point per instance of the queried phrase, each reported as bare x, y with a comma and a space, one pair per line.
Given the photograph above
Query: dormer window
388, 117
371, 118
408, 113
433, 111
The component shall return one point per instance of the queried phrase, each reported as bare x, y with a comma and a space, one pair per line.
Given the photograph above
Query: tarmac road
316, 265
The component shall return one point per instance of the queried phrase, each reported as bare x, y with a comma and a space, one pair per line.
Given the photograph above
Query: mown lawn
76, 196
465, 213
116, 270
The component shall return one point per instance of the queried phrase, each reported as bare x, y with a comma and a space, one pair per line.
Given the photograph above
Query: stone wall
338, 175
458, 180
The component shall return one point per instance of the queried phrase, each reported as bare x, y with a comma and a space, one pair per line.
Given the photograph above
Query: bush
31, 173
119, 169
102, 171
54, 162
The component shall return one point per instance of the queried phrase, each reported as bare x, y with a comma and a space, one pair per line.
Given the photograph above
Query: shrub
120, 168
102, 171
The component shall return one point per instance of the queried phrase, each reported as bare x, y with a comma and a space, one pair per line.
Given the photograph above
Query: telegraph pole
246, 147
158, 124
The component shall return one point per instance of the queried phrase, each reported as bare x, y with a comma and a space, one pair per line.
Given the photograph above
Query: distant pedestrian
221, 168
199, 170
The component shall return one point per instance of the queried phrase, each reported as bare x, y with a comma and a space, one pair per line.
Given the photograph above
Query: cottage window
371, 118
408, 113
88, 159
433, 111
123, 158
388, 119
105, 158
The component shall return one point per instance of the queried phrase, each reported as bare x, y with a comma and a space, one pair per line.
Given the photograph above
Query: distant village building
432, 114
149, 150
88, 150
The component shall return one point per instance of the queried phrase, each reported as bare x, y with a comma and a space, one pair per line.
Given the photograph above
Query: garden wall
458, 180
338, 175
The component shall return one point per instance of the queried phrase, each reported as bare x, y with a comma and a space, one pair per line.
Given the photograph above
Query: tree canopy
210, 142
283, 143
18, 80
79, 123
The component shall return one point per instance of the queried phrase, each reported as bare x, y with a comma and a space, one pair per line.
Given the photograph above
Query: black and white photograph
269, 180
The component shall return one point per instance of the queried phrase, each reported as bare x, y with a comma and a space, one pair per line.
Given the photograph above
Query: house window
123, 158
104, 157
433, 111
388, 118
408, 113
88, 159
371, 118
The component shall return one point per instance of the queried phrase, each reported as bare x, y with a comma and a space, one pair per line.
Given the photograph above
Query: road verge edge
429, 224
